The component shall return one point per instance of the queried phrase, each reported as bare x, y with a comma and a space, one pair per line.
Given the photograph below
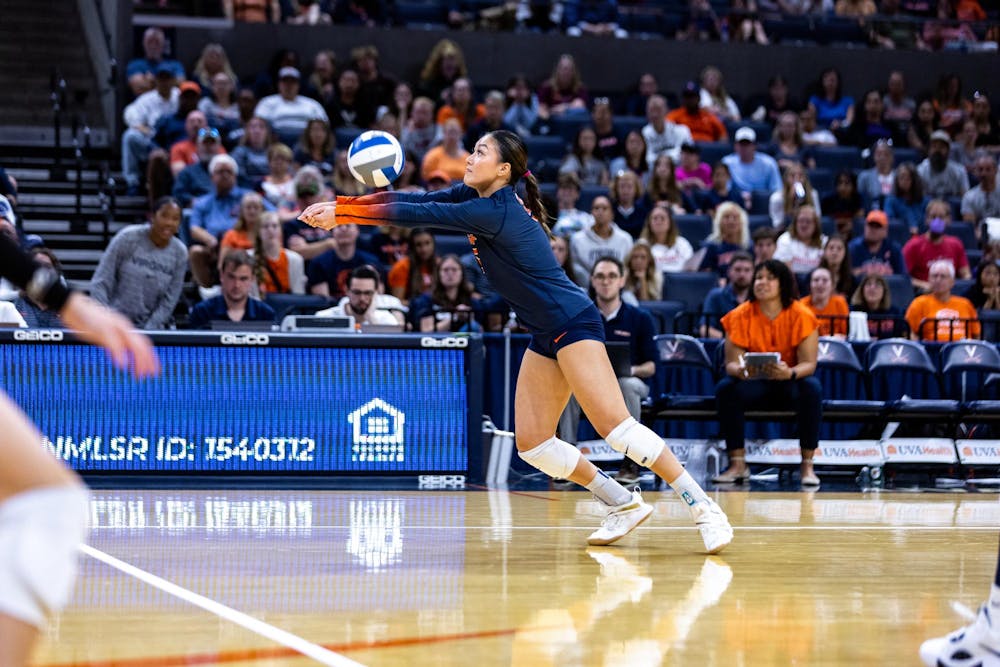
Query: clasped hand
322, 215
778, 371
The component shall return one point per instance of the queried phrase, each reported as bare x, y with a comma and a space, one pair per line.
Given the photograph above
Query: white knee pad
554, 457
636, 441
40, 531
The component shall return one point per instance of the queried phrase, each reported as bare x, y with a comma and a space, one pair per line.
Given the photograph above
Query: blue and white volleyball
375, 158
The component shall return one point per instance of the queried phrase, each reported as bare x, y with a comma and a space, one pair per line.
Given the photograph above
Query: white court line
646, 527
294, 642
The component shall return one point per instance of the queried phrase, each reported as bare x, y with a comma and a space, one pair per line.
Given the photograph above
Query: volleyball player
43, 505
975, 645
566, 354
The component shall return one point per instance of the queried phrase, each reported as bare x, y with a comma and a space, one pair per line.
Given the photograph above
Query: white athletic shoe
975, 645
621, 520
713, 526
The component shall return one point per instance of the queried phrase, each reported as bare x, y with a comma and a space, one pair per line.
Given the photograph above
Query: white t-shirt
672, 259
800, 257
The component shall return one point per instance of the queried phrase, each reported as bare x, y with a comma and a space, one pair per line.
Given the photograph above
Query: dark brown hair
513, 151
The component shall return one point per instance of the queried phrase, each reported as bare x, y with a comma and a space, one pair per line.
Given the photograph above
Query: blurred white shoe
713, 525
620, 521
975, 645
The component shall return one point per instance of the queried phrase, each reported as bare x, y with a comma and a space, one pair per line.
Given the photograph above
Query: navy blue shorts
588, 325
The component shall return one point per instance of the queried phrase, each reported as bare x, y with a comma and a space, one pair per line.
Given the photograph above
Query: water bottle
864, 478
877, 480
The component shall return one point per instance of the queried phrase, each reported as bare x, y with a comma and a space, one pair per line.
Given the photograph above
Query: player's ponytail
513, 151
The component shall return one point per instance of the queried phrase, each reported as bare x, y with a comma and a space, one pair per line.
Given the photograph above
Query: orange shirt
448, 111
747, 327
279, 267
704, 126
437, 159
836, 308
399, 276
929, 307
239, 240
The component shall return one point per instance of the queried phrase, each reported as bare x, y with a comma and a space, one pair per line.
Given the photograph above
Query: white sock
689, 490
608, 491
995, 596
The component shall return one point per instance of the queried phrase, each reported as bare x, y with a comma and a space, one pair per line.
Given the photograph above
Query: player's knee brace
554, 457
40, 531
636, 441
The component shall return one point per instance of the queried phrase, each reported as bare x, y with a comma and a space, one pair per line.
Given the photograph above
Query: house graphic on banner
377, 423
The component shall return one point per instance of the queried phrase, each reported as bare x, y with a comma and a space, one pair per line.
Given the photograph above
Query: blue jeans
135, 151
734, 397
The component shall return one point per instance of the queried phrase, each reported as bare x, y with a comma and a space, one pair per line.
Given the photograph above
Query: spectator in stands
714, 96
142, 271
235, 303
584, 160
722, 190
939, 315
196, 180
569, 219
700, 23
844, 204
322, 83
796, 192
220, 107
964, 146
389, 244
563, 93
316, 147
634, 157
492, 120
438, 180
801, 246
213, 60
602, 239
609, 142
692, 174
643, 281
252, 153
982, 201
830, 308
278, 185
276, 269
247, 103
637, 100
598, 18
252, 11
925, 123
777, 102
184, 153
343, 180
362, 300
942, 178
873, 298
743, 23
34, 315
730, 233
266, 82
836, 259
172, 128
812, 133
869, 126
833, 109
858, 9
922, 251
414, 274
952, 108
907, 201
402, 103
875, 184
328, 272
450, 305
143, 72
987, 128
561, 250
787, 145
751, 170
721, 300
287, 111
522, 105
631, 208
140, 117
670, 250
302, 238
895, 29
377, 88
770, 321
875, 252
663, 186
623, 323
703, 124
765, 243
462, 106
899, 106
661, 135
309, 12
985, 293
443, 66
246, 230
449, 156
348, 108
420, 131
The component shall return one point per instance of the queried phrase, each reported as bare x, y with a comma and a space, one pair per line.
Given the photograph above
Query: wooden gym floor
482, 578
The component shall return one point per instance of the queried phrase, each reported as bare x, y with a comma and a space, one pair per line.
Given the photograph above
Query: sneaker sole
604, 543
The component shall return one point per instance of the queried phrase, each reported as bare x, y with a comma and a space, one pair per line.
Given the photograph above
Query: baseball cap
190, 87
288, 73
7, 211
941, 135
439, 175
877, 217
164, 69
691, 88
746, 134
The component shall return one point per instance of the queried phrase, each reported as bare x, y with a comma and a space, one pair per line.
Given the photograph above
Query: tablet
761, 358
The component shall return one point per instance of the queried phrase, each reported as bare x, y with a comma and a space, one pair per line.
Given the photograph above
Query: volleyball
375, 158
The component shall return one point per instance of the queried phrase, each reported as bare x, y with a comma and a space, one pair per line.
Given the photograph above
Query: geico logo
427, 341
38, 335
245, 339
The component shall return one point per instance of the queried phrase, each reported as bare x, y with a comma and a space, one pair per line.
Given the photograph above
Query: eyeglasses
601, 277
